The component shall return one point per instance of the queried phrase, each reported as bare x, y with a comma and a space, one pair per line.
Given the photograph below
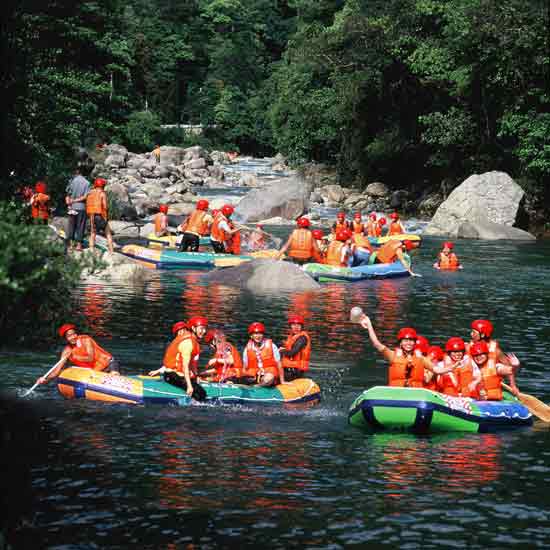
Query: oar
60, 362
536, 406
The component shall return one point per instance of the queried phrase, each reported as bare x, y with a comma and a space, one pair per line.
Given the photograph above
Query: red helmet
382, 221
408, 245
163, 208
455, 344
215, 212
341, 215
100, 182
212, 335
197, 322
372, 215
408, 333
394, 216
484, 327
202, 204
295, 319
40, 187
178, 326
256, 327
422, 344
342, 235
317, 234
449, 245
435, 353
63, 329
357, 215
227, 210
478, 348
303, 222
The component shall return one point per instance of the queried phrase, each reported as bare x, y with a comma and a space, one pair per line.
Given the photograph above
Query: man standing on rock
77, 190
156, 153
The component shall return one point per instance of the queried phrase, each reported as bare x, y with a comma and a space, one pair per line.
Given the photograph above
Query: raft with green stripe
422, 411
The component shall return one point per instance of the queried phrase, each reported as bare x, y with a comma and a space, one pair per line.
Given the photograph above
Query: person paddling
447, 259
82, 351
223, 230
181, 358
296, 350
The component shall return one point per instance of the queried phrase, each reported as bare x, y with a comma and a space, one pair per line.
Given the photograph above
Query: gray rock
165, 182
115, 161
179, 187
216, 171
334, 193
124, 229
195, 164
377, 189
316, 197
398, 198
193, 178
487, 230
430, 204
195, 152
171, 155
119, 191
136, 162
181, 208
248, 180
353, 199
115, 149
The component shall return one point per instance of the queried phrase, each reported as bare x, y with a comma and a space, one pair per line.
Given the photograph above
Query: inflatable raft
421, 410
171, 241
400, 237
327, 273
76, 382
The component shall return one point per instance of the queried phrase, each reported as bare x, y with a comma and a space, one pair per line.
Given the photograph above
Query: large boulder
124, 229
334, 193
288, 198
264, 276
172, 155
477, 208
377, 189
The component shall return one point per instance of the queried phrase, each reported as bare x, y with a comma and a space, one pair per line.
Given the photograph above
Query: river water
88, 475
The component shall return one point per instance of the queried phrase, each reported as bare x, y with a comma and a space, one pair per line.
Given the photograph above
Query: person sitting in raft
339, 252
256, 239
97, 211
223, 231
357, 225
340, 223
392, 251
482, 330
301, 245
407, 368
464, 378
396, 227
435, 355
322, 244
181, 358
226, 365
447, 259
82, 351
161, 221
196, 225
261, 359
40, 204
372, 225
296, 350
362, 249
492, 372
378, 230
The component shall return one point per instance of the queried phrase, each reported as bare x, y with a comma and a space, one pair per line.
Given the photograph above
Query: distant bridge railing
195, 129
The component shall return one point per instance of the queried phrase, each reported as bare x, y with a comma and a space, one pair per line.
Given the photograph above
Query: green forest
406, 91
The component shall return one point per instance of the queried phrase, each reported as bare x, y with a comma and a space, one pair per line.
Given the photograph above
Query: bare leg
109, 236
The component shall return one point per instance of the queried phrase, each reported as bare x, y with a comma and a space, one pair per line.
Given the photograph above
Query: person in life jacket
421, 347
40, 204
372, 225
339, 251
82, 351
392, 251
261, 359
221, 235
96, 210
464, 379
357, 225
340, 223
396, 227
378, 228
301, 245
482, 330
447, 259
256, 239
161, 221
322, 245
195, 226
362, 249
492, 372
156, 153
435, 355
296, 349
407, 368
181, 358
226, 365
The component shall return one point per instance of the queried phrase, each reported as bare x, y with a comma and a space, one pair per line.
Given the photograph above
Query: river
208, 477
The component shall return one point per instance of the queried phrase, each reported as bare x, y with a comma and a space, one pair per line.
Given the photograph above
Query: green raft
421, 411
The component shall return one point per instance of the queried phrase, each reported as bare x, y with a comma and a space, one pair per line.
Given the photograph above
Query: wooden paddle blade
535, 406
229, 262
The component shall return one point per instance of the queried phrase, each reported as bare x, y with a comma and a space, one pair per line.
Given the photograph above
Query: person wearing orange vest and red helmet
340, 223
447, 259
195, 226
161, 221
396, 227
226, 365
96, 210
322, 244
301, 245
492, 372
372, 225
482, 330
357, 225
82, 351
378, 227
435, 355
261, 359
407, 367
223, 231
296, 350
339, 251
392, 251
181, 358
465, 378
40, 204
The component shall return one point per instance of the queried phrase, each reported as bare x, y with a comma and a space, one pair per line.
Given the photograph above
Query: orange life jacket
95, 203
360, 240
378, 230
493, 349
387, 253
217, 234
371, 228
233, 244
406, 371
466, 377
225, 371
161, 221
301, 244
357, 227
299, 361
101, 357
492, 381
448, 261
172, 357
395, 228
339, 225
334, 254
196, 223
40, 208
456, 382
448, 384
261, 360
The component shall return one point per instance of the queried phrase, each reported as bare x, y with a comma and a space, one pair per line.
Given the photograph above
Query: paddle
60, 362
535, 406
